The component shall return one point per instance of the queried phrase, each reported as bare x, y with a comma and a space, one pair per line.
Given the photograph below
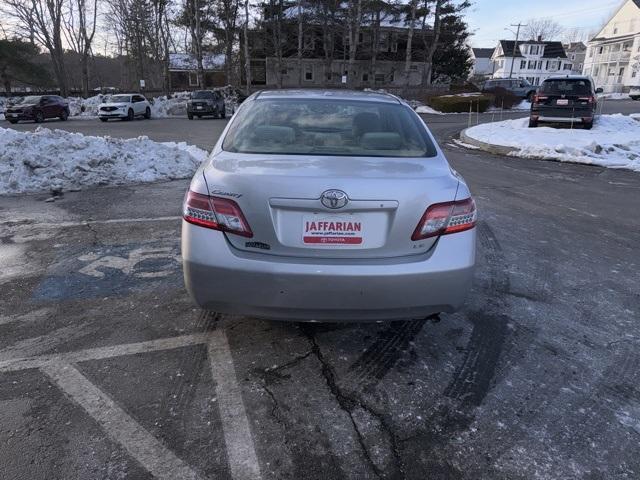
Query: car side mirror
599, 90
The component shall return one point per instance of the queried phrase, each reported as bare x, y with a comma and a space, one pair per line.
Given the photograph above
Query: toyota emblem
334, 199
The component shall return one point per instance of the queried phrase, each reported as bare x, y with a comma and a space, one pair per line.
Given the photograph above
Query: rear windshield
328, 127
203, 95
566, 87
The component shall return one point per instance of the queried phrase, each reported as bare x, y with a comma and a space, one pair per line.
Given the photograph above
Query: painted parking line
237, 434
141, 445
124, 429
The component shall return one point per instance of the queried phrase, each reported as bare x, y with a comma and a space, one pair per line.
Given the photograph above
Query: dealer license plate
323, 229
562, 101
199, 107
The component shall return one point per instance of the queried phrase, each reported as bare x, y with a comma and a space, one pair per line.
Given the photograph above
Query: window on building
532, 64
309, 41
193, 79
394, 42
621, 71
534, 49
626, 47
365, 77
523, 64
308, 73
633, 74
615, 30
600, 50
540, 65
573, 56
580, 65
379, 78
413, 68
567, 66
552, 64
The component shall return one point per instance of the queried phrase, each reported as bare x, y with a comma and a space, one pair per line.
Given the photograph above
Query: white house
483, 66
533, 60
613, 55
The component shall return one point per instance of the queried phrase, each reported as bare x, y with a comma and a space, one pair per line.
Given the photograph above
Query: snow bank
427, 109
47, 160
614, 96
613, 142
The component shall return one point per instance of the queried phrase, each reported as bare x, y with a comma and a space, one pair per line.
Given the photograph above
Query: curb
487, 147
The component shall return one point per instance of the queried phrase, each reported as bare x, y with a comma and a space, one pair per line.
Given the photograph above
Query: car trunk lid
287, 201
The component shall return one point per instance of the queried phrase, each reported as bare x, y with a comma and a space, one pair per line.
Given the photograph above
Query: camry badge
334, 199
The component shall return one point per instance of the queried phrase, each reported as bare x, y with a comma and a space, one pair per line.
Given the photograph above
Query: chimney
539, 38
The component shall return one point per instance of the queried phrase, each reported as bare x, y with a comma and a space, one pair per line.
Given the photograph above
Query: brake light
589, 99
538, 98
215, 213
446, 218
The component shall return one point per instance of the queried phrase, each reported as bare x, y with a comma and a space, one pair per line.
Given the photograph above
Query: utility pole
515, 45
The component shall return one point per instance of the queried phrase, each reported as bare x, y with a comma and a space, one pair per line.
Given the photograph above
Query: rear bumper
19, 116
560, 115
227, 280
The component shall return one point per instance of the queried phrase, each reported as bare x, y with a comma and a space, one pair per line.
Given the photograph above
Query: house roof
573, 46
187, 61
484, 52
551, 49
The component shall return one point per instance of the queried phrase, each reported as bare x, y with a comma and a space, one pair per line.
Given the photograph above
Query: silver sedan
328, 206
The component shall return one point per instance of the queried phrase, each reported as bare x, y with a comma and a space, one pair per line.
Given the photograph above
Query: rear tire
64, 115
130, 115
13, 122
103, 119
533, 123
223, 114
147, 113
39, 117
588, 125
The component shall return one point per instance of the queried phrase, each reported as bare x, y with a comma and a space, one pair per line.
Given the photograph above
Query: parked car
124, 106
634, 93
206, 103
565, 99
518, 87
37, 108
328, 206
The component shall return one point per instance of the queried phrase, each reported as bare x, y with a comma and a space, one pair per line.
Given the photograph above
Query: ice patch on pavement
46, 160
613, 142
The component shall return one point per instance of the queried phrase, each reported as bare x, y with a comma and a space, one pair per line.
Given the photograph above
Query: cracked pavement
537, 377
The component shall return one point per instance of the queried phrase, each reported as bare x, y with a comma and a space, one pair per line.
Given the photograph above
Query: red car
37, 108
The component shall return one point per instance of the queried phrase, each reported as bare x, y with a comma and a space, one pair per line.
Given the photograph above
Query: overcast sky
488, 18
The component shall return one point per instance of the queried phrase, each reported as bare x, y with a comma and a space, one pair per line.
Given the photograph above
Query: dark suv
205, 102
518, 87
37, 108
568, 99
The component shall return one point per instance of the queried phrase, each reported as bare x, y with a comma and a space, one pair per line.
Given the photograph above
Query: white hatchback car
126, 106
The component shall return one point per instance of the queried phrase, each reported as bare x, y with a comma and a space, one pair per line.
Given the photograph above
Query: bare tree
432, 46
413, 7
43, 20
354, 21
247, 54
300, 40
542, 29
80, 24
227, 13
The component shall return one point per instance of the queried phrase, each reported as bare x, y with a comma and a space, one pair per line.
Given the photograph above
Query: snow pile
614, 96
427, 109
171, 106
55, 160
613, 142
86, 107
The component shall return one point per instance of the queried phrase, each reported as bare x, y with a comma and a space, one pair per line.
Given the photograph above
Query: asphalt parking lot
107, 371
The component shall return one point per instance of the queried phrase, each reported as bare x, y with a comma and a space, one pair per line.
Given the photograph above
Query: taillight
539, 98
589, 99
445, 218
215, 213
